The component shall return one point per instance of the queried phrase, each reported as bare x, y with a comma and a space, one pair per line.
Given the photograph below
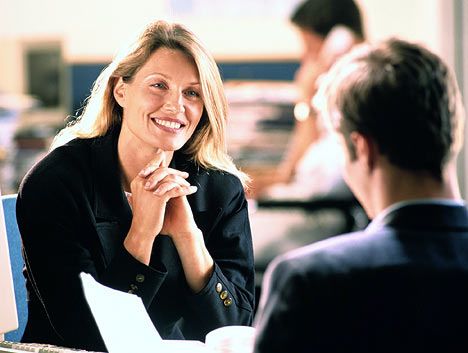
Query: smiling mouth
173, 125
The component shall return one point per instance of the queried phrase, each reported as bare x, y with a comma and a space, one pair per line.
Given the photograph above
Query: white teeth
169, 124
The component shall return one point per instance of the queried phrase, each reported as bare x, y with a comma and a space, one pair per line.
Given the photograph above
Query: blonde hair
207, 146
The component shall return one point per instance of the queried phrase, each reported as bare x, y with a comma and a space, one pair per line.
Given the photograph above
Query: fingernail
193, 188
147, 185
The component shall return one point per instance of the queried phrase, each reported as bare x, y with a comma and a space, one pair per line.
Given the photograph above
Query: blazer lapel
110, 200
205, 213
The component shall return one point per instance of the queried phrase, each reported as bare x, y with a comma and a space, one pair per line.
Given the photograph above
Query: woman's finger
164, 187
181, 191
165, 173
173, 189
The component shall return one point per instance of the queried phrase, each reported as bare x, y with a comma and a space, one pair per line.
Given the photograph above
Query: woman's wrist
139, 246
197, 262
187, 236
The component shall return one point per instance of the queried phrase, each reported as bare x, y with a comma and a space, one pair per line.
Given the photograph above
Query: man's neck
397, 185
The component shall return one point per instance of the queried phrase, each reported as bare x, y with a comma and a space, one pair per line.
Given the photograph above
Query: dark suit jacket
399, 286
73, 216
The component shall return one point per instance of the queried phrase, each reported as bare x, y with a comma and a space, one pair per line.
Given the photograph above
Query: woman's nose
174, 104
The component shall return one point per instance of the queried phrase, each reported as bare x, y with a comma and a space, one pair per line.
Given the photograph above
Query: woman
327, 29
141, 194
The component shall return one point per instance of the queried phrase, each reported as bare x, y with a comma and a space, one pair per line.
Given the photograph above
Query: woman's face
311, 44
162, 104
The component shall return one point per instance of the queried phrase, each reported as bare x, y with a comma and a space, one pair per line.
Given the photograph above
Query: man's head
401, 97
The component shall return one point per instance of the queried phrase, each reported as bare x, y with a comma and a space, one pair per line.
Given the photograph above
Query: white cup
231, 339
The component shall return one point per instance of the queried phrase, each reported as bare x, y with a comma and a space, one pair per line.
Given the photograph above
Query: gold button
223, 294
219, 287
133, 287
130, 291
227, 302
140, 278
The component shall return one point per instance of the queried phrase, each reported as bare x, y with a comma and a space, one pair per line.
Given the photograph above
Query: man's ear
365, 148
119, 92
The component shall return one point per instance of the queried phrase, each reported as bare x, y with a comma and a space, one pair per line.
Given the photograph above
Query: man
401, 285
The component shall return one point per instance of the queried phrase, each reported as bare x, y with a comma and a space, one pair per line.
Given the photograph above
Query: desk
27, 139
260, 121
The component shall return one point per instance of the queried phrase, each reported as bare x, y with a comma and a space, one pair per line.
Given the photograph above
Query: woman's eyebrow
154, 75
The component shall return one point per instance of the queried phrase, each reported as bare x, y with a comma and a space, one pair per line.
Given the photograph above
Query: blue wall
82, 76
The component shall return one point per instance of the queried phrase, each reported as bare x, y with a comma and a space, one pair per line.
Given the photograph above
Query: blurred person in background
401, 284
140, 193
311, 165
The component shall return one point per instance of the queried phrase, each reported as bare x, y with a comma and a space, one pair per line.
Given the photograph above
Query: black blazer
73, 216
399, 286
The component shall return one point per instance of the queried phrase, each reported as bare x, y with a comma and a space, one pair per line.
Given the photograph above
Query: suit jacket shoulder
399, 286
67, 165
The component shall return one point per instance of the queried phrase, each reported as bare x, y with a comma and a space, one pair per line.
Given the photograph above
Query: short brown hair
403, 97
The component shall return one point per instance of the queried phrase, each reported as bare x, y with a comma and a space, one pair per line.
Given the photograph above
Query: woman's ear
119, 92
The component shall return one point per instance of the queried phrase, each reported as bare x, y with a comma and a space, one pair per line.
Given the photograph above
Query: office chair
14, 246
290, 224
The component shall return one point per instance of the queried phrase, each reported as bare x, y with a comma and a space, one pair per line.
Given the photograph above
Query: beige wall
429, 22
94, 30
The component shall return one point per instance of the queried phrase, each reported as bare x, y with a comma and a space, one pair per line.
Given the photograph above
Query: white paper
124, 324
121, 318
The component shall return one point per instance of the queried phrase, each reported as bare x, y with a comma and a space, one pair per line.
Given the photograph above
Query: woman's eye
158, 85
192, 93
